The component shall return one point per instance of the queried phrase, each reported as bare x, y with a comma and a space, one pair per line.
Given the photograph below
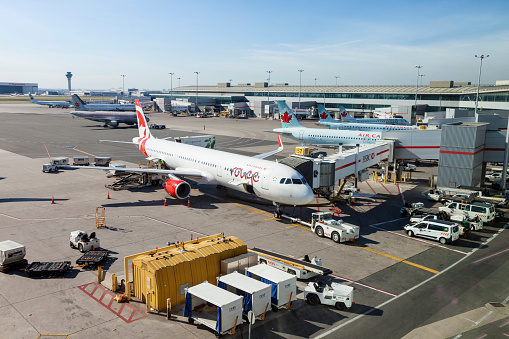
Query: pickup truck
490, 177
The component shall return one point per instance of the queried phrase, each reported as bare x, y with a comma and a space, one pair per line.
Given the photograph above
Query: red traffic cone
191, 236
165, 203
188, 202
108, 197
52, 199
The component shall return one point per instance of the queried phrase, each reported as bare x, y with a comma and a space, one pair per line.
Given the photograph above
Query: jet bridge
323, 172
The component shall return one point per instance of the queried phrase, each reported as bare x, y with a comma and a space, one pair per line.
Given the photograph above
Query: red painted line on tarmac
399, 190
169, 223
490, 256
361, 284
380, 200
357, 215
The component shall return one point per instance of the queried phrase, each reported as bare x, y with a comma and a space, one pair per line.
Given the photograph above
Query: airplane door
301, 134
219, 170
265, 180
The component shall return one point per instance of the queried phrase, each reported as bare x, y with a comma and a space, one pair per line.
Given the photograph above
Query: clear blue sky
363, 42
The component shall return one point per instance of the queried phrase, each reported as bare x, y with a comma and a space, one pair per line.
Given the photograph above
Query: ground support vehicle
49, 168
302, 268
12, 255
441, 230
416, 209
410, 167
324, 225
283, 285
436, 195
327, 293
157, 126
81, 241
485, 212
46, 269
92, 258
213, 307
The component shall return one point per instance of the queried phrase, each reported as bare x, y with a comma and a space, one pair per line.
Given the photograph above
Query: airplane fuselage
119, 117
263, 178
110, 107
353, 126
329, 137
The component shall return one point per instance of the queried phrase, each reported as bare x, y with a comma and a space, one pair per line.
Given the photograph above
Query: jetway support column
506, 154
356, 162
395, 170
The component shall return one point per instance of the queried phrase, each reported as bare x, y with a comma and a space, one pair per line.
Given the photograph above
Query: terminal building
18, 88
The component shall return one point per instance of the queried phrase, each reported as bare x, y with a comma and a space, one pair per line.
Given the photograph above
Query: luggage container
102, 161
12, 255
80, 161
283, 285
239, 263
63, 161
213, 307
256, 293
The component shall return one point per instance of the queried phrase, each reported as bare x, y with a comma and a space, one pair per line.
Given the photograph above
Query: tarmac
381, 265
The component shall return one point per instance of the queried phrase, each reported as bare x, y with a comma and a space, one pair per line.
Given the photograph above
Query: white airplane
109, 118
292, 128
51, 104
80, 105
326, 120
346, 117
266, 179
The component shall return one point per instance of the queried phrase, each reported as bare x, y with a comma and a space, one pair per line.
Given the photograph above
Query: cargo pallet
92, 258
46, 269
17, 264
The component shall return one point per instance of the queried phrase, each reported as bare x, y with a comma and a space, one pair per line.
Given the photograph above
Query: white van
443, 231
485, 212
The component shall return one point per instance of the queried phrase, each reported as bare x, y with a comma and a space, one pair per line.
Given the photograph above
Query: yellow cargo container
303, 150
165, 273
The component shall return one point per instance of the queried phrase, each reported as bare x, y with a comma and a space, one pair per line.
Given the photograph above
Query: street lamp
171, 89
300, 82
482, 56
417, 86
179, 81
422, 75
196, 108
337, 77
315, 80
123, 78
268, 91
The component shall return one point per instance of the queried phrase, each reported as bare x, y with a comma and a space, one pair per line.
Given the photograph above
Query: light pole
196, 108
482, 56
315, 80
268, 91
300, 82
417, 86
179, 81
123, 78
337, 77
171, 89
422, 75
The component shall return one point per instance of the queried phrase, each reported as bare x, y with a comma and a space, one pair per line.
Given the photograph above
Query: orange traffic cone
108, 197
188, 202
165, 203
52, 199
191, 236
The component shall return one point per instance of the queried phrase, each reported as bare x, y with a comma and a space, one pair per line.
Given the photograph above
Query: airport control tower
69, 76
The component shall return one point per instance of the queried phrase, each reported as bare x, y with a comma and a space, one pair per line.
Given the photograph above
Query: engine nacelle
177, 188
113, 123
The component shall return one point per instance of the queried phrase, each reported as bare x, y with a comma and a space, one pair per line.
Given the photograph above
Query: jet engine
113, 123
177, 188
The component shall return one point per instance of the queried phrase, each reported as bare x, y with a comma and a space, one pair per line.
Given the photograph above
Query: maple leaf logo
285, 118
77, 105
323, 116
343, 114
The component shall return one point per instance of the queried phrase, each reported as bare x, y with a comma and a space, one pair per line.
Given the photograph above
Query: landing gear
277, 212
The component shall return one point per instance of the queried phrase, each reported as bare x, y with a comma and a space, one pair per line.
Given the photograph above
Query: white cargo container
102, 161
11, 254
213, 307
256, 293
63, 161
283, 285
81, 161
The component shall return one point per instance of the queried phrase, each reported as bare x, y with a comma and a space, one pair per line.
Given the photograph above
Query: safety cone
108, 197
52, 199
191, 236
165, 203
188, 202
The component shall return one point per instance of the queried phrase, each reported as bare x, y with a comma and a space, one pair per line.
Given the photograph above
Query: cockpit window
297, 181
288, 181
282, 181
303, 180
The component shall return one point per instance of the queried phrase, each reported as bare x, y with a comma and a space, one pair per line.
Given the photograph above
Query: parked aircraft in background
346, 117
292, 128
266, 179
109, 118
326, 120
80, 105
51, 104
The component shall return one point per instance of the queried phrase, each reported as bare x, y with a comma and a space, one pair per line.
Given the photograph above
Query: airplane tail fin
143, 129
323, 114
32, 99
79, 105
288, 119
345, 116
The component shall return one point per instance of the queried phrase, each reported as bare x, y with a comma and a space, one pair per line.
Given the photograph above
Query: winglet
279, 142
268, 154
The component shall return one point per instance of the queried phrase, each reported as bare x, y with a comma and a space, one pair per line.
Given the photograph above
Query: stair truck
283, 285
256, 293
213, 307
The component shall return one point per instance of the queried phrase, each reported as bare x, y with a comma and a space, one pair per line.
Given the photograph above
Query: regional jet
293, 129
326, 120
109, 118
266, 179
80, 105
346, 117
51, 104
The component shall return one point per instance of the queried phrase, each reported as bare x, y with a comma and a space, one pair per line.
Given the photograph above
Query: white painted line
475, 262
361, 284
334, 329
481, 320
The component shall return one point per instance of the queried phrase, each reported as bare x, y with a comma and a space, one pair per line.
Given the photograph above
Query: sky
362, 42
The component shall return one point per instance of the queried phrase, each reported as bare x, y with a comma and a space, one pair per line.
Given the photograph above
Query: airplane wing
268, 154
122, 142
185, 172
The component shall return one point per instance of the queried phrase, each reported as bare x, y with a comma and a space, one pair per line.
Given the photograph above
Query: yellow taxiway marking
75, 149
399, 259
297, 225
250, 209
53, 335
